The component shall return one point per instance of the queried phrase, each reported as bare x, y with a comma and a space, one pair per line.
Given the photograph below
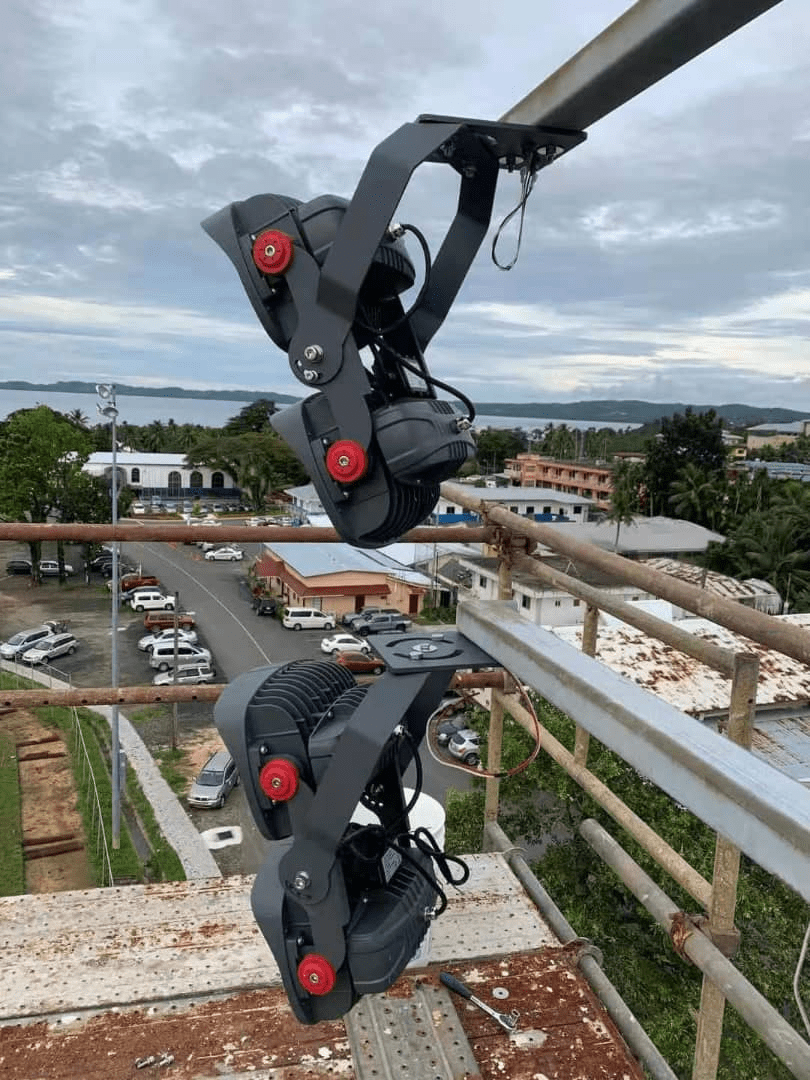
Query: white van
306, 618
151, 600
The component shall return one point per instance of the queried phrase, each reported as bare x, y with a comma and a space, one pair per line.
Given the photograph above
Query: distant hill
608, 410
637, 412
77, 387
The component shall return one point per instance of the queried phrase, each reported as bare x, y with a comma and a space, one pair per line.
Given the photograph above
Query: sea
211, 412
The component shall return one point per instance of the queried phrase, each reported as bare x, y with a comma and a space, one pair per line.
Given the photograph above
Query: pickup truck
165, 620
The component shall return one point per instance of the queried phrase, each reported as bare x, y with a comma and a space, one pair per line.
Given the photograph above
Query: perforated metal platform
397, 1038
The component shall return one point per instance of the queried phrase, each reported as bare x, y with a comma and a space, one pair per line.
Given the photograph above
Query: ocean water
211, 412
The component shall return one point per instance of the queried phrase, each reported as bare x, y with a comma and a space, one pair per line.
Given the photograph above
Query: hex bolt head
313, 354
300, 881
310, 376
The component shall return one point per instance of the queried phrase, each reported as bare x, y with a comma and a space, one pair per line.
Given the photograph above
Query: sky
667, 258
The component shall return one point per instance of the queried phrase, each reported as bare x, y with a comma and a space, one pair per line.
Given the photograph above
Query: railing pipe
769, 1024
675, 865
633, 1033
773, 633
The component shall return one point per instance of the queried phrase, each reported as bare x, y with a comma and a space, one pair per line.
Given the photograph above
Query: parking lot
226, 624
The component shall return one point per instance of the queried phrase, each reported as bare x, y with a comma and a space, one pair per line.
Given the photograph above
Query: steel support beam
649, 41
762, 811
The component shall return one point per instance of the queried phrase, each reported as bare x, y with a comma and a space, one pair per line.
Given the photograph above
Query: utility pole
106, 391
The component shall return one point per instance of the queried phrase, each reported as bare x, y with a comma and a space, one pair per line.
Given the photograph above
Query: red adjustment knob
346, 461
272, 251
279, 779
316, 974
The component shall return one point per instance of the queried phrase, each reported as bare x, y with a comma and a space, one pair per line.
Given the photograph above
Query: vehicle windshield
209, 778
17, 639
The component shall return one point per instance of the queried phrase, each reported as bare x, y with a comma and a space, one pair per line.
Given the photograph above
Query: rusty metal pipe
137, 532
770, 632
152, 695
634, 1034
707, 652
769, 1024
675, 865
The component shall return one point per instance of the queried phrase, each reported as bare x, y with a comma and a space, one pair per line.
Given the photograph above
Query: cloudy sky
668, 258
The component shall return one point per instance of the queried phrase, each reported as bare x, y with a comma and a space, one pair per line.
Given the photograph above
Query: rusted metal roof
688, 684
721, 584
100, 980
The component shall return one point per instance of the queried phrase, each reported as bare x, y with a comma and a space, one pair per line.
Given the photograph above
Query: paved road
240, 641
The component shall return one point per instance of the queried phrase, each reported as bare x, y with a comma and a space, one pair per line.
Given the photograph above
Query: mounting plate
444, 651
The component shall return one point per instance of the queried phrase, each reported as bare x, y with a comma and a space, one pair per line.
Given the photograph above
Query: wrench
508, 1021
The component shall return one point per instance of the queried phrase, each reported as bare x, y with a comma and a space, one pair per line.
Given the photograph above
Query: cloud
669, 250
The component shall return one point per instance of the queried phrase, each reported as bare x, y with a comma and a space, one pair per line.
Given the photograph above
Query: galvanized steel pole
649, 41
757, 1012
726, 875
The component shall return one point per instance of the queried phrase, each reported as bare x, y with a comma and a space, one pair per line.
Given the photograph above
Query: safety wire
528, 176
475, 770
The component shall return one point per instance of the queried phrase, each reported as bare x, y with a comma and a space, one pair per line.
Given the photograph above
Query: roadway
240, 640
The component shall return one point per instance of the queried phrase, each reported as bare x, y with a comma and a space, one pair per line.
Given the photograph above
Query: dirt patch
52, 830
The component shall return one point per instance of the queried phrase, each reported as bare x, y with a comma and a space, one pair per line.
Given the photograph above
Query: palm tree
77, 417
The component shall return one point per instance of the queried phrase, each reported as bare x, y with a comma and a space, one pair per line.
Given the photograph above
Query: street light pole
106, 391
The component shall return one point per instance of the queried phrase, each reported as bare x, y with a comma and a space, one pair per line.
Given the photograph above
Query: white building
165, 475
538, 503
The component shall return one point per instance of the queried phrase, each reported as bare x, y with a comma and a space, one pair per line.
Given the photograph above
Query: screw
264, 748
310, 376
314, 978
300, 881
343, 461
270, 251
313, 354
463, 424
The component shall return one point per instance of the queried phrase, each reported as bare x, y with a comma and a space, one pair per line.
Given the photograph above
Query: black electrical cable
420, 296
428, 378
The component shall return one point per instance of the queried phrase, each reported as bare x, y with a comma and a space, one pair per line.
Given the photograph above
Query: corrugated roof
133, 457
313, 560
531, 494
719, 584
644, 534
688, 684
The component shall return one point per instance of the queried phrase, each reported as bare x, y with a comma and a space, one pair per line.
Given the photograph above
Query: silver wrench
508, 1021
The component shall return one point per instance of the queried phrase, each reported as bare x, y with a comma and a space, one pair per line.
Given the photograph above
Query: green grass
164, 865
167, 761
12, 867
148, 713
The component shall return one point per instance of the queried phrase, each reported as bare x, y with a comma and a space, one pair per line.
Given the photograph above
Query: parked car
50, 568
225, 554
466, 746
379, 624
147, 642
300, 618
14, 648
162, 620
215, 782
366, 613
187, 675
257, 521
361, 663
163, 656
51, 647
170, 507
217, 508
18, 566
344, 641
135, 581
264, 605
150, 599
137, 508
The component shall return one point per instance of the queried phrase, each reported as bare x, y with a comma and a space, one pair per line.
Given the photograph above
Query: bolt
313, 354
264, 748
300, 881
469, 171
343, 461
463, 424
314, 978
275, 782
310, 376
270, 251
